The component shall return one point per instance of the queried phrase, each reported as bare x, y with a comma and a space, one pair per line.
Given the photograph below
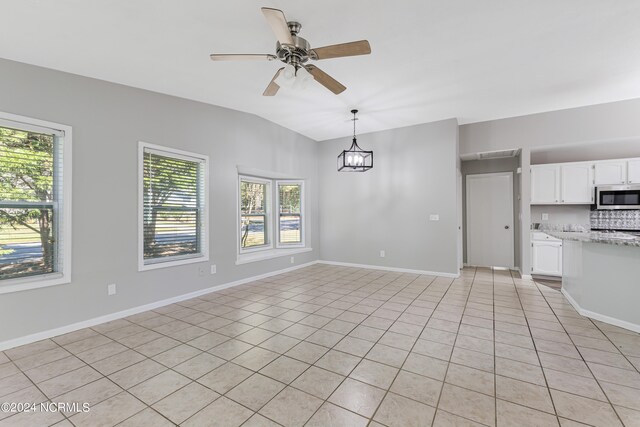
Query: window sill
269, 254
34, 282
172, 263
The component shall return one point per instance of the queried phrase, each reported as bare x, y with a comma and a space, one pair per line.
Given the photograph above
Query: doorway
490, 222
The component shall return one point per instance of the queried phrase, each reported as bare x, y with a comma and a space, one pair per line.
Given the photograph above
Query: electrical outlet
434, 217
111, 289
545, 217
382, 254
200, 271
213, 269
292, 260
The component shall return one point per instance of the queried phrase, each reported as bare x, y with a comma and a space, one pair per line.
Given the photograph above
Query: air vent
497, 154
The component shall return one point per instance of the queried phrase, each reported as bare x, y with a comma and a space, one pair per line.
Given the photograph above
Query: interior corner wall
388, 208
108, 120
511, 164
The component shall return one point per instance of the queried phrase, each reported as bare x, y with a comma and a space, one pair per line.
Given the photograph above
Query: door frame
459, 214
512, 223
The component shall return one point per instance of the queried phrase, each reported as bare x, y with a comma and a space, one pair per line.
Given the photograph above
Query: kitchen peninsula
601, 276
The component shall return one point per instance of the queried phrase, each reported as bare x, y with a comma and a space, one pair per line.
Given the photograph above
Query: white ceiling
431, 59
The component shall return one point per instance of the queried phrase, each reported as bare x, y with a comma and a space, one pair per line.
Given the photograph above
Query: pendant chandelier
355, 159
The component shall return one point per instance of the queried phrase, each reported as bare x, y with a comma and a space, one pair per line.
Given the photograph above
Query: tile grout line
585, 362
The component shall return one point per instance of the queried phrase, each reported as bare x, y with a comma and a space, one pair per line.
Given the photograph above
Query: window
258, 198
35, 208
254, 213
290, 213
173, 214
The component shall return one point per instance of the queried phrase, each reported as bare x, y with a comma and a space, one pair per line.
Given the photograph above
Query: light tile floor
338, 346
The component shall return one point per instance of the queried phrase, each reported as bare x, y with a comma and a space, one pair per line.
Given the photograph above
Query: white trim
269, 254
268, 220
601, 317
259, 173
65, 133
28, 339
303, 228
385, 268
32, 125
524, 276
203, 159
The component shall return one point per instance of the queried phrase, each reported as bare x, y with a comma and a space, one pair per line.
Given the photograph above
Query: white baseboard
601, 317
28, 339
524, 276
396, 269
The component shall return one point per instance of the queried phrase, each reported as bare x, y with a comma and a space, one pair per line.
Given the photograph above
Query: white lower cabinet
546, 257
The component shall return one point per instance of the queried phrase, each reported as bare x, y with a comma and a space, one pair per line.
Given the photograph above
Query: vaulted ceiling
431, 60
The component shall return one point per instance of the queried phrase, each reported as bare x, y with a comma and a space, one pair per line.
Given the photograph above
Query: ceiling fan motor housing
299, 52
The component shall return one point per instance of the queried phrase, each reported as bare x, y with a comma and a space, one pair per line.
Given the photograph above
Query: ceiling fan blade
278, 23
241, 57
273, 87
325, 79
361, 47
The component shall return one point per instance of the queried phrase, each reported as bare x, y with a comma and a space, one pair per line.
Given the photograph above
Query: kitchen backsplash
615, 219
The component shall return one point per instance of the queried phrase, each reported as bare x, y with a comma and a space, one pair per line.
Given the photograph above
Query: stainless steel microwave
618, 197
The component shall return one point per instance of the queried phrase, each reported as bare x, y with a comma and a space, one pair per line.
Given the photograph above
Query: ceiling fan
295, 52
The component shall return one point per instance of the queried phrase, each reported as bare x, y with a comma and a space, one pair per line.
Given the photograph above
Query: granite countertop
619, 239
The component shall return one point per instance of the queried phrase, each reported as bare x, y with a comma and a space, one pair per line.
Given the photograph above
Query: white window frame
303, 228
272, 250
203, 256
64, 136
269, 214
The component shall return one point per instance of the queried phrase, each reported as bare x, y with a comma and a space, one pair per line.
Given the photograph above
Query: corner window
271, 220
35, 207
290, 216
173, 227
254, 214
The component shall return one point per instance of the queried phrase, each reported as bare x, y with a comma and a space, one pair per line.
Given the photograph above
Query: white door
490, 219
611, 172
545, 184
577, 183
633, 171
546, 258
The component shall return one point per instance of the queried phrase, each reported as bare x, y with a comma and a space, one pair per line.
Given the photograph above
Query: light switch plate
434, 217
545, 217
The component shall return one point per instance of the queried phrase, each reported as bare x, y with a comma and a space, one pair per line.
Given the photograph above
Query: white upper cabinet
611, 172
576, 183
633, 171
545, 184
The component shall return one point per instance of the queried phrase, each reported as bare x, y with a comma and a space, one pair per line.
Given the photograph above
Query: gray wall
590, 126
388, 207
108, 121
588, 152
511, 164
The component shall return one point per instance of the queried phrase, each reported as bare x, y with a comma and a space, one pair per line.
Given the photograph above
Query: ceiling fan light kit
295, 52
355, 159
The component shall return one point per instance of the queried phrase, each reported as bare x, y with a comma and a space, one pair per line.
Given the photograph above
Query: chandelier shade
355, 159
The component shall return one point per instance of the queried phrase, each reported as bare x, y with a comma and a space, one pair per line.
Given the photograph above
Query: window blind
30, 202
173, 206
